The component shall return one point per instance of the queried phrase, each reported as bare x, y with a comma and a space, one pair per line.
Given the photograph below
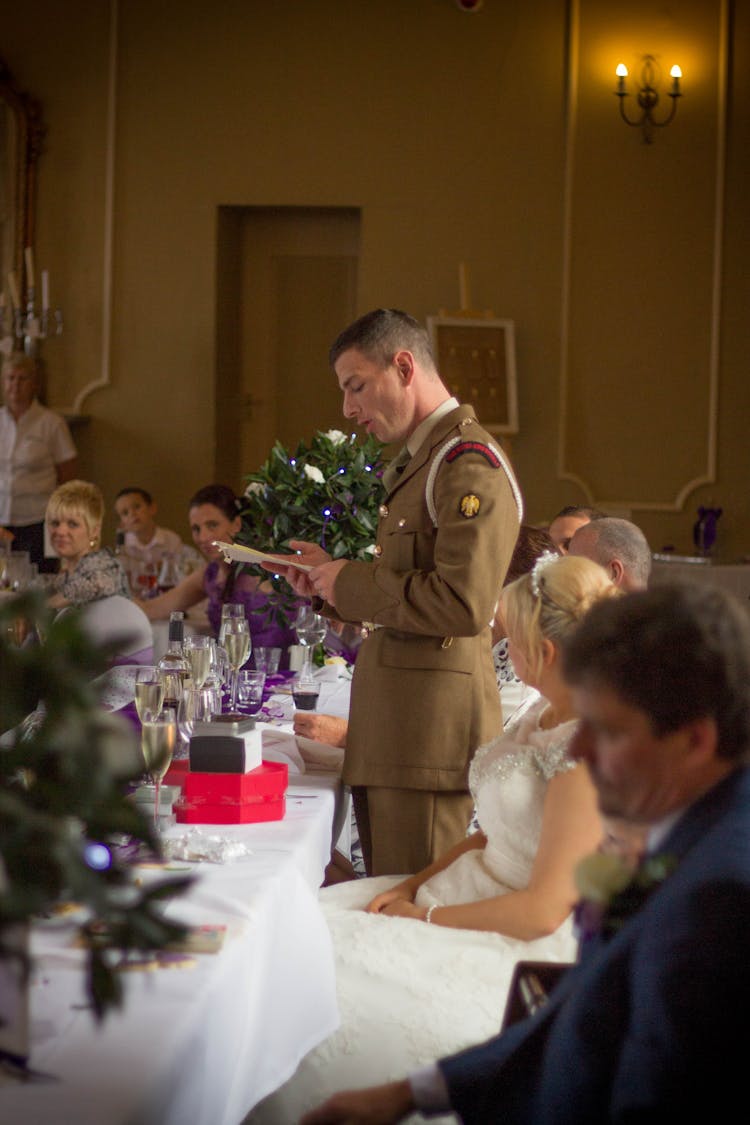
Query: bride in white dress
410, 993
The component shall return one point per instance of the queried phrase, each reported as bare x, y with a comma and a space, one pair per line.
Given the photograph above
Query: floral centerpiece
327, 492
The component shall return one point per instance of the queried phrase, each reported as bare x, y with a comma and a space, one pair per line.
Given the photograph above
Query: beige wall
446, 130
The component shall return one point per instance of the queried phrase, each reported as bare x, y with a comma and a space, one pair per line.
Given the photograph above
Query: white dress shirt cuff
430, 1090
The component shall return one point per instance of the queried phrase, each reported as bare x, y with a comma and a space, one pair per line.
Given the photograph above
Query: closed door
287, 287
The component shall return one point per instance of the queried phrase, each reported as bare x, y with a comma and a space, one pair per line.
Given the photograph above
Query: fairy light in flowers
97, 856
326, 513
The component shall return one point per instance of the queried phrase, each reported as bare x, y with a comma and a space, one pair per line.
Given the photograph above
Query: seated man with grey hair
617, 545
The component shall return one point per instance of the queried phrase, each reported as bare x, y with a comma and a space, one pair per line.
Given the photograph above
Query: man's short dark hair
577, 510
379, 334
138, 491
677, 652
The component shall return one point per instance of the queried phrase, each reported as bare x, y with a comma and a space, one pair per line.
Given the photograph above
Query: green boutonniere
611, 890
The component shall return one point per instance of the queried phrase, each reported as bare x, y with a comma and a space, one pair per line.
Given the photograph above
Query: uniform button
378, 551
402, 522
383, 511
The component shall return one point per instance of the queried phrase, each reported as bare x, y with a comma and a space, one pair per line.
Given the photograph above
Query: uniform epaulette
454, 448
479, 447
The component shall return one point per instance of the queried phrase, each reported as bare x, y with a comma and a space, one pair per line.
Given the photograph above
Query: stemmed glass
237, 645
194, 707
149, 691
311, 628
228, 611
158, 740
197, 650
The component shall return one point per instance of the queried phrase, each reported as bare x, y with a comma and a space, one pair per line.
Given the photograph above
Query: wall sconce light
648, 96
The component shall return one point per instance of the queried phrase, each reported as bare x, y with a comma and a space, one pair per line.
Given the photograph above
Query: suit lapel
701, 817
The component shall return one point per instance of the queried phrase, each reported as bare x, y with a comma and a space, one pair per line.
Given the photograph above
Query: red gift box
234, 798
177, 772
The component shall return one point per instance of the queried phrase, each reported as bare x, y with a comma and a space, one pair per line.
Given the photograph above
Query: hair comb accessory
539, 568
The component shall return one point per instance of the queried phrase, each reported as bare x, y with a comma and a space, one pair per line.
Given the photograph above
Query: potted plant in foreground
65, 765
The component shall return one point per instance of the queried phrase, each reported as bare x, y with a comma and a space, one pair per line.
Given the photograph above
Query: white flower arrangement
327, 492
314, 474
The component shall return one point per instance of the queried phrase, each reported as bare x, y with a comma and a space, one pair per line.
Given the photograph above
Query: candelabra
648, 96
21, 329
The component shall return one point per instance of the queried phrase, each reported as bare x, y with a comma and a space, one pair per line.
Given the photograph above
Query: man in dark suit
651, 1025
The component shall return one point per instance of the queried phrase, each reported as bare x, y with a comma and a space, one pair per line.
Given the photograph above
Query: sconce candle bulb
648, 96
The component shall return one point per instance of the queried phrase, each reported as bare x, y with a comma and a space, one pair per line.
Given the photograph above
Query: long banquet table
202, 1044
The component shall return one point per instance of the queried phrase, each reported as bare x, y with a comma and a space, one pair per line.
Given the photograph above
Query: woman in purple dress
214, 514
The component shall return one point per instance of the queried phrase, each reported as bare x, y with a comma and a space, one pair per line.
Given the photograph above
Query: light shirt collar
658, 832
416, 439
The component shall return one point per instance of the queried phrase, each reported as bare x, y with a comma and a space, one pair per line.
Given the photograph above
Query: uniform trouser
404, 830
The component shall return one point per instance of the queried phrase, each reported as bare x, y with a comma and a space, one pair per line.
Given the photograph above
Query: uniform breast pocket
408, 543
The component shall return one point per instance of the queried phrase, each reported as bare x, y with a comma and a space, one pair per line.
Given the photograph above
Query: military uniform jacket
424, 694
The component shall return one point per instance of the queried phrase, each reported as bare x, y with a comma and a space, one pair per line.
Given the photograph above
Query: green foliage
64, 768
327, 492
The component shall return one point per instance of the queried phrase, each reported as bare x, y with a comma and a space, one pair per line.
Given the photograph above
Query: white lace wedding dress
410, 993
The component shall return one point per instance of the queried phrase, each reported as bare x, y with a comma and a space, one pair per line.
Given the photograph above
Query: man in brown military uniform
424, 694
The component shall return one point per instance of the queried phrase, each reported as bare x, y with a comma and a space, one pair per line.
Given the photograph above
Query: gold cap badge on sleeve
469, 505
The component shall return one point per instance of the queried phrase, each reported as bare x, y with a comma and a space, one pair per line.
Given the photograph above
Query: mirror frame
30, 135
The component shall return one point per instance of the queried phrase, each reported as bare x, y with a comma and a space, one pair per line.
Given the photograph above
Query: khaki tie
396, 468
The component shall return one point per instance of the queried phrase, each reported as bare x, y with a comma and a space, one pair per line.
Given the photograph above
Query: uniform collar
425, 427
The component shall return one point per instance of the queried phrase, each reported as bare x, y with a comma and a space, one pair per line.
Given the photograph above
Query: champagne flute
237, 645
149, 691
311, 628
197, 650
158, 740
228, 611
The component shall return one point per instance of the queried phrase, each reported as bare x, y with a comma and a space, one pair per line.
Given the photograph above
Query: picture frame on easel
476, 359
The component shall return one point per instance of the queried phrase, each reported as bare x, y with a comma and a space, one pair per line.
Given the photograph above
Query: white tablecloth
199, 1045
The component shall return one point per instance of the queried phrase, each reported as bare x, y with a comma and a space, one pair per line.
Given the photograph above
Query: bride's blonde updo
548, 602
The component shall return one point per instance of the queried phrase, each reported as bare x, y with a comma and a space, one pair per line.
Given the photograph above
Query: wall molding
708, 474
103, 379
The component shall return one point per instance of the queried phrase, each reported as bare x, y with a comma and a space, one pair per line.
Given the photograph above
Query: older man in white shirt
36, 454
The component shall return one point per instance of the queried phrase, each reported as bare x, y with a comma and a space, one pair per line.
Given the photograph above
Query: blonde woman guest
88, 572
423, 970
